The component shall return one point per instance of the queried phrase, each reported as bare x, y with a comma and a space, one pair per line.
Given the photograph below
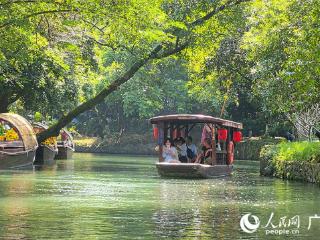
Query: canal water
122, 197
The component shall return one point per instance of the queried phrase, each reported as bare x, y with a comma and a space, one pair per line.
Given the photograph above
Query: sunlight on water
122, 197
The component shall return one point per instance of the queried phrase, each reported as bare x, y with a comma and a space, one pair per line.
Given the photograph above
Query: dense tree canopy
283, 41
247, 60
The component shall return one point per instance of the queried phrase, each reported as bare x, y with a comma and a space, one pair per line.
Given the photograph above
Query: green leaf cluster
283, 41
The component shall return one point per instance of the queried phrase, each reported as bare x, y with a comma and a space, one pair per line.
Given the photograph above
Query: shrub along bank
297, 160
249, 148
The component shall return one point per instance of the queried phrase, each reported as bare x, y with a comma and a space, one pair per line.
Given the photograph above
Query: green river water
122, 197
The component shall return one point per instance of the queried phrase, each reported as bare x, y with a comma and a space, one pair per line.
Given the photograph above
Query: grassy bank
297, 160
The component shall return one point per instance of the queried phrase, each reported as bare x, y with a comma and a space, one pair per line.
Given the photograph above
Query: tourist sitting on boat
205, 156
218, 146
169, 152
191, 149
182, 150
175, 142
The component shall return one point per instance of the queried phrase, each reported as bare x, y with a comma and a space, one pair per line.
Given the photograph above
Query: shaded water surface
122, 197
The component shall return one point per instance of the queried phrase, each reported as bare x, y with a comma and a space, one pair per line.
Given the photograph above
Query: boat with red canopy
223, 134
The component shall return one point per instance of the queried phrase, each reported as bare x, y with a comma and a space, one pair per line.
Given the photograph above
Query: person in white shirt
169, 153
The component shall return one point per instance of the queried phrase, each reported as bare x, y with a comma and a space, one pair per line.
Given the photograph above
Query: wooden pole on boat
161, 138
213, 145
165, 131
186, 131
171, 131
160, 153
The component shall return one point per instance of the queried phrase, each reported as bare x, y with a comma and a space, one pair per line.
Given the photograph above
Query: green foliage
295, 160
2, 130
37, 117
268, 152
299, 151
216, 62
250, 149
292, 151
158, 88
51, 53
255, 60
37, 58
282, 42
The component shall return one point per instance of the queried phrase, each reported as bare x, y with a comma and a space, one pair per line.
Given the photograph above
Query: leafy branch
154, 54
11, 22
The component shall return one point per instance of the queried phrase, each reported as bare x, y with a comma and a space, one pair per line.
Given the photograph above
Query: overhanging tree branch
12, 2
198, 22
173, 51
35, 14
209, 15
54, 129
155, 54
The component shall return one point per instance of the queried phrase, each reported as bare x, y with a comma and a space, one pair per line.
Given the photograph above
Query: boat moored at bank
48, 149
65, 145
18, 143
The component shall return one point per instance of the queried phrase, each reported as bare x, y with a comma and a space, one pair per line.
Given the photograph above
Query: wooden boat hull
192, 170
9, 160
64, 152
45, 155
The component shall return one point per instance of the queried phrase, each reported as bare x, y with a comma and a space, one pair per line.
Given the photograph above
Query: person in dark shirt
206, 151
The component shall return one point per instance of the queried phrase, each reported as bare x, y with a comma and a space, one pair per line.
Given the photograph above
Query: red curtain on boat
155, 133
237, 136
222, 134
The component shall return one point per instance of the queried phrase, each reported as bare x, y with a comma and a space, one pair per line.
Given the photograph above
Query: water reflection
15, 208
194, 210
122, 197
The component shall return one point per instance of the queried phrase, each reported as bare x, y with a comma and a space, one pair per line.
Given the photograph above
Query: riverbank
295, 161
133, 145
248, 149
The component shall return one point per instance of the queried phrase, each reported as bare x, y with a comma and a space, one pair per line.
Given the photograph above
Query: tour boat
65, 145
48, 149
18, 143
223, 133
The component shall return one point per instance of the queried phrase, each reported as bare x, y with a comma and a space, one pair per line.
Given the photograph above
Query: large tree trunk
63, 121
4, 108
4, 104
